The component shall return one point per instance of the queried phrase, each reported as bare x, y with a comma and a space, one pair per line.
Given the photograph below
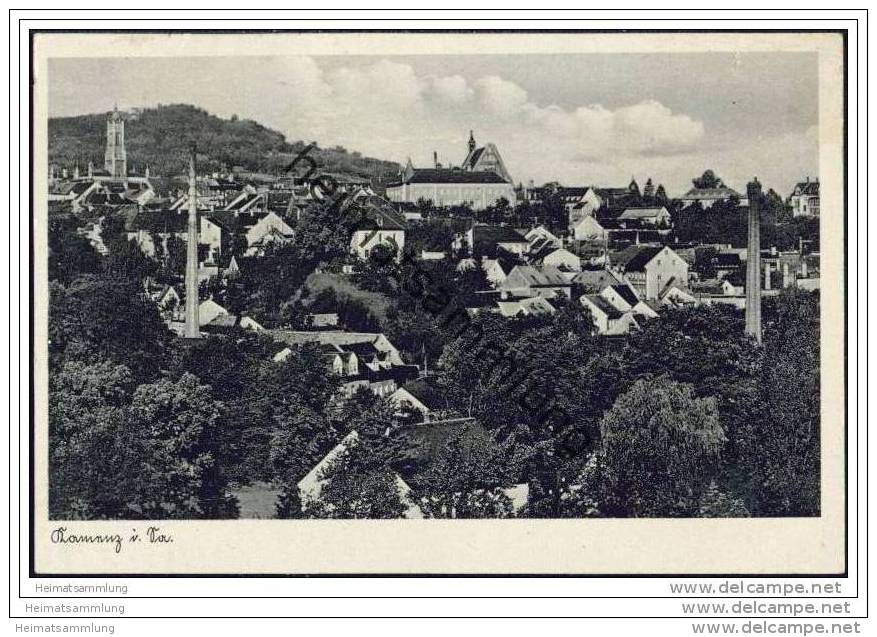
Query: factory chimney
193, 329
753, 262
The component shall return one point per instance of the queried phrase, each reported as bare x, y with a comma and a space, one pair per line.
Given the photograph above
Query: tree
116, 452
649, 189
177, 422
301, 437
780, 449
92, 469
716, 503
466, 480
661, 194
708, 179
99, 318
70, 255
659, 448
354, 486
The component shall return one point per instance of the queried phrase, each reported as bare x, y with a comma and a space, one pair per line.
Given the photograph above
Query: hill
161, 137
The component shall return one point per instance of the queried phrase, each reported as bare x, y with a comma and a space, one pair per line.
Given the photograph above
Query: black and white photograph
434, 302
440, 286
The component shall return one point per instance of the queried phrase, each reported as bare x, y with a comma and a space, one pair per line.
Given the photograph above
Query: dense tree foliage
659, 447
160, 137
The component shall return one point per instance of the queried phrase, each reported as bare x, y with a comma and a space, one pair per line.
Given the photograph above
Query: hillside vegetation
161, 137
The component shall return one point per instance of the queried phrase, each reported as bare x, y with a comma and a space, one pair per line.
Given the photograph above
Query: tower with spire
116, 160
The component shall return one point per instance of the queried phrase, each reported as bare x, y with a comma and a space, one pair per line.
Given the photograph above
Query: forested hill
161, 136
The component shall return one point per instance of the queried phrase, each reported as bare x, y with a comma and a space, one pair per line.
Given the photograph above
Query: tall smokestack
753, 263
192, 324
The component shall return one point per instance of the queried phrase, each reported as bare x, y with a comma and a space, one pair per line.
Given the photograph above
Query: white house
378, 225
530, 306
362, 359
623, 297
707, 197
496, 270
484, 240
209, 310
650, 269
530, 280
608, 319
560, 258
804, 200
267, 230
652, 216
588, 229
543, 236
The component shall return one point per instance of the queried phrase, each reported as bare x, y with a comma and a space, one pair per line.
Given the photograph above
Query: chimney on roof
193, 329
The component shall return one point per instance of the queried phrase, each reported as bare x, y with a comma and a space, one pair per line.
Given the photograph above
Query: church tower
116, 161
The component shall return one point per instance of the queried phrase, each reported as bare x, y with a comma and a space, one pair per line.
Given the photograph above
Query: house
527, 306
715, 287
588, 229
707, 197
497, 269
226, 322
269, 229
676, 295
311, 486
594, 281
725, 264
422, 401
560, 258
608, 319
168, 299
378, 224
529, 280
540, 236
649, 269
483, 240
804, 200
75, 192
651, 216
149, 227
257, 230
209, 310
248, 200
361, 359
624, 298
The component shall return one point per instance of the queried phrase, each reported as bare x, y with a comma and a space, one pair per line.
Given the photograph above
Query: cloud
387, 109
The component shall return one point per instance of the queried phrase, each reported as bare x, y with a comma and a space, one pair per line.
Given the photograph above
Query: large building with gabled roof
479, 182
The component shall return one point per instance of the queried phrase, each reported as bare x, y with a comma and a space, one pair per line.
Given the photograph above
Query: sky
580, 119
